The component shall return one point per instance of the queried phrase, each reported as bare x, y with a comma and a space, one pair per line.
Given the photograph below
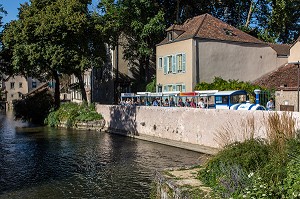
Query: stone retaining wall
203, 127
90, 125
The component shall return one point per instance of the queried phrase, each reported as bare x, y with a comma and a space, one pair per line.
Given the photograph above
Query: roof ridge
196, 32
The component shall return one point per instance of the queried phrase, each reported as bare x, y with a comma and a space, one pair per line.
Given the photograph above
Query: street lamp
257, 92
297, 63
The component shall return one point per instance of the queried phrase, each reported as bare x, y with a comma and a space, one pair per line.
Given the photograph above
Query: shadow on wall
123, 120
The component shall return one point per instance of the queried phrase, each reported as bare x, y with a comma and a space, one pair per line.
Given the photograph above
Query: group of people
180, 103
165, 103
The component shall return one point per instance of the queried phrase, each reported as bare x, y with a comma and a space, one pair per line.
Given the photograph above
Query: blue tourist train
209, 99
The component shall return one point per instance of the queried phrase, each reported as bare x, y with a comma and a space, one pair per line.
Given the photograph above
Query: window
238, 99
33, 84
229, 32
12, 85
160, 64
174, 63
221, 99
12, 95
179, 62
159, 88
170, 88
170, 36
179, 88
20, 95
20, 85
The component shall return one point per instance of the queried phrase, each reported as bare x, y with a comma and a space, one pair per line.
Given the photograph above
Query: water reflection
52, 163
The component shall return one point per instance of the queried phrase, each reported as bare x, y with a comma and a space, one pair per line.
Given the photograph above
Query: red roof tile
208, 27
281, 49
284, 78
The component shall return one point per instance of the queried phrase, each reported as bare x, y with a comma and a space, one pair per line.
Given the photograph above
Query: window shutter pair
174, 64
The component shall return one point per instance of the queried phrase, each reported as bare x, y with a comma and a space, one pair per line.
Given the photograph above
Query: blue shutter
165, 65
183, 88
183, 62
165, 88
174, 64
174, 87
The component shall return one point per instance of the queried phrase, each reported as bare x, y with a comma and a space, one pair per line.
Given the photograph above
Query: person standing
180, 103
201, 103
192, 103
270, 105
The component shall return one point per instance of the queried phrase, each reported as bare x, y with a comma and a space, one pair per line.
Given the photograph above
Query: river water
59, 163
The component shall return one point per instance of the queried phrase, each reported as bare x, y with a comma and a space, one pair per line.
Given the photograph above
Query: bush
256, 169
243, 158
71, 113
292, 181
222, 85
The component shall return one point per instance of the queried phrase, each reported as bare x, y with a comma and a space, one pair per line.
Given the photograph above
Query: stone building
205, 47
285, 80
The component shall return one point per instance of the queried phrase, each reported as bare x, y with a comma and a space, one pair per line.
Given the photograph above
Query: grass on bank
71, 113
258, 168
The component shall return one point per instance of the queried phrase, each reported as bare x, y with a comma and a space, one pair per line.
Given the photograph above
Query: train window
221, 99
235, 99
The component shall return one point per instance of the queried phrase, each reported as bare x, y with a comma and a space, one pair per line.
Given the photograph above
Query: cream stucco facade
234, 60
18, 86
295, 52
178, 78
206, 59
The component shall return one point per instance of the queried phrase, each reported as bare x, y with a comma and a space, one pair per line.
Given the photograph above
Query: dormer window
170, 36
229, 32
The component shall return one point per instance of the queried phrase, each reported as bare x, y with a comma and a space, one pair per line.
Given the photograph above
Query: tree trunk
56, 90
252, 6
177, 11
81, 86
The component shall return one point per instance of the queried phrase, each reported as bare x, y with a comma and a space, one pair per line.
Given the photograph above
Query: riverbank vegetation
34, 108
258, 168
72, 113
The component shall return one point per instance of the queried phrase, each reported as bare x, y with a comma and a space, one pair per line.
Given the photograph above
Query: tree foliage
222, 85
141, 25
151, 87
53, 37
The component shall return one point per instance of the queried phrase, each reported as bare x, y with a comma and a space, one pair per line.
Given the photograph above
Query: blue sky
11, 7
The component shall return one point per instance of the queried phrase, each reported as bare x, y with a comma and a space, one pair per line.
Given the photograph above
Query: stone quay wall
205, 129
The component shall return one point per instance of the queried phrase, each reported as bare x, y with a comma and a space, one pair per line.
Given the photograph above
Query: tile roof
281, 49
297, 40
284, 78
208, 27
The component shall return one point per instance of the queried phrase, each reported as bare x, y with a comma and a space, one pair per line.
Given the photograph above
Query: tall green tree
284, 21
5, 55
53, 37
142, 25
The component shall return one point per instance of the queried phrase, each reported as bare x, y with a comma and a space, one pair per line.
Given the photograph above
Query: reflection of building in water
17, 86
